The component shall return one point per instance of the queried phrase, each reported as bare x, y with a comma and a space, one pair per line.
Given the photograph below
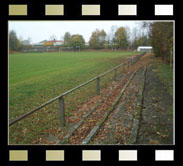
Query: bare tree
112, 35
53, 37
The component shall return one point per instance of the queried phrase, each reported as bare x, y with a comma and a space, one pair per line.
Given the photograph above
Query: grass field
165, 74
35, 78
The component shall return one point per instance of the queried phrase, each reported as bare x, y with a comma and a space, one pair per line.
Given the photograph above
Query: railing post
98, 86
61, 111
130, 63
115, 74
123, 67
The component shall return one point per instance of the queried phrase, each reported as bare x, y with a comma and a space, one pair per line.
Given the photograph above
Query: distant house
47, 46
144, 48
53, 43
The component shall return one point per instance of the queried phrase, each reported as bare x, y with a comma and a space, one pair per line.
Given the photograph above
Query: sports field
35, 78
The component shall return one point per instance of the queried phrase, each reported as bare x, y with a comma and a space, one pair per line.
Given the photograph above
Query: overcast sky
43, 30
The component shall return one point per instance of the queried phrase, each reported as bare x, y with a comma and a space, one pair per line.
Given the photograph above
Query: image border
174, 137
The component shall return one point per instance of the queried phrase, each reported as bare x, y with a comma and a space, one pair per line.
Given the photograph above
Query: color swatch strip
20, 10
164, 155
53, 10
18, 155
91, 155
161, 10
127, 155
127, 10
54, 155
91, 10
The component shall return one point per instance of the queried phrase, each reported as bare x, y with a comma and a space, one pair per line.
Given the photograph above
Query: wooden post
115, 74
129, 62
61, 112
98, 86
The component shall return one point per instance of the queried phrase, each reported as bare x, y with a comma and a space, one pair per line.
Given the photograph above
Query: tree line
159, 35
117, 38
161, 38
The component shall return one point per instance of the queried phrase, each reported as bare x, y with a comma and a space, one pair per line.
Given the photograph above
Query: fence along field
35, 78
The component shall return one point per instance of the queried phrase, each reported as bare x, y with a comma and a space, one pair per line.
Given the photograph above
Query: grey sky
42, 30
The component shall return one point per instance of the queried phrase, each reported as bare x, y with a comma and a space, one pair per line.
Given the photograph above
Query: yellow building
49, 43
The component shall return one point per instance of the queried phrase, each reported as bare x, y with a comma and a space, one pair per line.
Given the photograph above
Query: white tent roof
147, 47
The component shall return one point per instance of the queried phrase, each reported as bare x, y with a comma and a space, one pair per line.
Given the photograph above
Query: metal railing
60, 98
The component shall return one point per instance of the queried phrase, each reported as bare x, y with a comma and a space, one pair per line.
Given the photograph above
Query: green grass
35, 78
166, 76
165, 73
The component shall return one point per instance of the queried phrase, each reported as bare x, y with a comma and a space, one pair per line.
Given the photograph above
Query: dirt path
156, 124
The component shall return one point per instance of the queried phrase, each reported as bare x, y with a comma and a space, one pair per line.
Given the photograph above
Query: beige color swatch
17, 10
18, 155
127, 155
91, 155
127, 9
90, 10
54, 9
55, 155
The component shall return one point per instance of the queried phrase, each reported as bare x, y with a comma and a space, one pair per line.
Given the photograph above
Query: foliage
141, 41
25, 45
165, 73
67, 39
97, 39
14, 43
121, 38
162, 39
77, 40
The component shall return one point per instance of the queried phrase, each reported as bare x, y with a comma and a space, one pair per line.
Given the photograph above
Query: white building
144, 48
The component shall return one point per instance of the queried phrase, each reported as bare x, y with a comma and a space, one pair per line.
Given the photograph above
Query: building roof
55, 41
